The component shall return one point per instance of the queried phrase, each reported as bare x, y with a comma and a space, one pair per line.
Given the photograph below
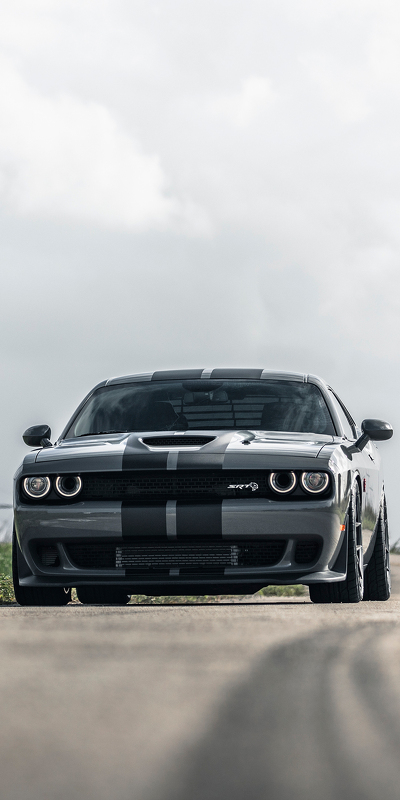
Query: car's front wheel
350, 590
32, 595
103, 595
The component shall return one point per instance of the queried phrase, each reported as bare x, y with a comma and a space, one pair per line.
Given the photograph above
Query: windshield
268, 405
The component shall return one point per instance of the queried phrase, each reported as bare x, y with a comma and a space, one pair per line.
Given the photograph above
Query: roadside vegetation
7, 591
6, 585
269, 591
297, 590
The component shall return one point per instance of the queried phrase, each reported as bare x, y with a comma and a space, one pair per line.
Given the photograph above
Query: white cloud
242, 108
61, 157
344, 91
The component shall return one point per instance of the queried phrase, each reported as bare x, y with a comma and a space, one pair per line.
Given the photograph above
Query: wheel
32, 595
377, 573
103, 595
350, 590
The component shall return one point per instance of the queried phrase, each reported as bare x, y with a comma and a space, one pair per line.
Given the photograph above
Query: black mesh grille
197, 556
307, 551
178, 441
48, 555
173, 484
93, 556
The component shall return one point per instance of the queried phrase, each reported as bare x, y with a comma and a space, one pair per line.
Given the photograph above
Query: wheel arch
382, 506
357, 481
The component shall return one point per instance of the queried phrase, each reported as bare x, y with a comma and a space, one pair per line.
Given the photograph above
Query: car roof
217, 374
210, 374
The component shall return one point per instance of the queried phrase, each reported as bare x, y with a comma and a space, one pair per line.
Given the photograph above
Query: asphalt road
280, 700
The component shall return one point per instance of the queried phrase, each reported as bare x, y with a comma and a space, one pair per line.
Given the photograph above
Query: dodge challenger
203, 482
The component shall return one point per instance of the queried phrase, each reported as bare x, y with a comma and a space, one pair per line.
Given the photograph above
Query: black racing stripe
143, 520
146, 461
132, 459
200, 460
245, 374
177, 375
196, 520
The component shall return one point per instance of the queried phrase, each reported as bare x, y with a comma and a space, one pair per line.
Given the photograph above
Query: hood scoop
177, 441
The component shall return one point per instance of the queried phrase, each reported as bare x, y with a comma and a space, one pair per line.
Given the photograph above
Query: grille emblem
253, 486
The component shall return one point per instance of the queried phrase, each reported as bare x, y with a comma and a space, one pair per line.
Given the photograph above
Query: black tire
350, 590
103, 595
377, 573
35, 596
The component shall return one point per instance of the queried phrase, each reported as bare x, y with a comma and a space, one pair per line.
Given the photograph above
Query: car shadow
277, 735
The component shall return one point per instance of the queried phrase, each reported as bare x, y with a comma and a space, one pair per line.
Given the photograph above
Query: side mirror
375, 429
37, 436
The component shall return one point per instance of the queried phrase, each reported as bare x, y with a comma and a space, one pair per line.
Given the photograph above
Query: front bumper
240, 519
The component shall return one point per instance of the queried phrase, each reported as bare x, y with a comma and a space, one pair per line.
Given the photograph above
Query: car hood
271, 443
227, 450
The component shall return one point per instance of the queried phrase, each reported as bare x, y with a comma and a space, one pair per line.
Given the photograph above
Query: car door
367, 464
371, 489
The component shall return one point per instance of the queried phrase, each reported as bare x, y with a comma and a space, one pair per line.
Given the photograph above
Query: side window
344, 419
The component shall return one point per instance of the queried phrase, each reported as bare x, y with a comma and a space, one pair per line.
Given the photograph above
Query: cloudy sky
200, 183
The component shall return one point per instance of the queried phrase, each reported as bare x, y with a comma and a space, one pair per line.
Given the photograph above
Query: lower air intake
198, 556
48, 555
307, 551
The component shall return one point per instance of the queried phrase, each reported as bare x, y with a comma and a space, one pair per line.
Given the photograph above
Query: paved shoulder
200, 702
319, 717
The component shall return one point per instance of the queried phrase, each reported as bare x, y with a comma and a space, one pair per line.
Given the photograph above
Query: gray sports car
203, 482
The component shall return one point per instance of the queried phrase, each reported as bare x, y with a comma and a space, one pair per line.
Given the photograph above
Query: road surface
276, 700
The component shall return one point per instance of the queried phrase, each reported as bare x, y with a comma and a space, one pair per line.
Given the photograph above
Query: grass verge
269, 591
295, 590
6, 584
6, 590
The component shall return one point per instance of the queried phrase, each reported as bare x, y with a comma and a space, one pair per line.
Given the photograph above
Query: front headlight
314, 482
282, 482
37, 486
68, 485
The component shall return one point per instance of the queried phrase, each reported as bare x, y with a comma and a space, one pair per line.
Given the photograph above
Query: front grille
307, 551
177, 441
198, 556
173, 484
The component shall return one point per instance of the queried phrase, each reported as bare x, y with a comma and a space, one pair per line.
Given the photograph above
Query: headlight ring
37, 486
314, 482
68, 485
283, 482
